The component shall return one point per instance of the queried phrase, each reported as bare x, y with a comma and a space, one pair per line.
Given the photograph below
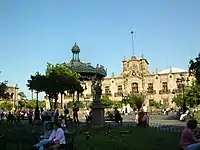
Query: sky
34, 32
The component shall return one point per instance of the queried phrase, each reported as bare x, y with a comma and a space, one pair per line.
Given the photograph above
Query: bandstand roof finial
75, 48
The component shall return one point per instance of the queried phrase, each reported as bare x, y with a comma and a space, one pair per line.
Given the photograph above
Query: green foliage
118, 104
154, 103
37, 82
107, 102
6, 106
32, 104
79, 103
178, 100
57, 79
191, 96
135, 100
3, 88
22, 95
195, 68
21, 104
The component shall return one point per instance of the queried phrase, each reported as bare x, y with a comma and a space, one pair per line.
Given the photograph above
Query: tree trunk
55, 103
61, 99
37, 111
50, 103
73, 97
78, 96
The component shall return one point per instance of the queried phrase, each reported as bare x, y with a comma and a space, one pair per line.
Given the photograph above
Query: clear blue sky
33, 32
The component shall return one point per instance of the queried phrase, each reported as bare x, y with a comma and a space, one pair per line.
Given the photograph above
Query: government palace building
136, 78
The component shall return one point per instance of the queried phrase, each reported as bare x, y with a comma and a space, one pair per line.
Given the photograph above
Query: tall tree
135, 100
22, 96
3, 89
37, 83
195, 68
59, 79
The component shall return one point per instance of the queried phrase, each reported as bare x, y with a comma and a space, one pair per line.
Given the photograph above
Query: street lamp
181, 84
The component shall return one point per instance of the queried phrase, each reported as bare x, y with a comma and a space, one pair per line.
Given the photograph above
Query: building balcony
151, 92
164, 91
118, 94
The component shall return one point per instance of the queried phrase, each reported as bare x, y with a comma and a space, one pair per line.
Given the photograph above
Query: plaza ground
22, 137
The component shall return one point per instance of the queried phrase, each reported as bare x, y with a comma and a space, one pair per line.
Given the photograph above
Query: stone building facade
11, 95
136, 78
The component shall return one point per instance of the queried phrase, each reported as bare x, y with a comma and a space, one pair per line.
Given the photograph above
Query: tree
154, 103
178, 100
22, 101
118, 104
71, 103
135, 100
59, 79
37, 83
3, 89
22, 96
107, 103
32, 104
191, 96
194, 68
6, 106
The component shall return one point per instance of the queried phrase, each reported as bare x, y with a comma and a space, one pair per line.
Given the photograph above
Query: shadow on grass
22, 137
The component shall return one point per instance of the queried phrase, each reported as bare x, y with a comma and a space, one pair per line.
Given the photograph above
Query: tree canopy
107, 103
56, 80
135, 100
191, 95
3, 89
195, 68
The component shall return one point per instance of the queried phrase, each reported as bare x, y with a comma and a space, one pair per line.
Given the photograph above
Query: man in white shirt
144, 108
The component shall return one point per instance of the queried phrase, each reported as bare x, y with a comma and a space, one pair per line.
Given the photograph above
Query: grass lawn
22, 137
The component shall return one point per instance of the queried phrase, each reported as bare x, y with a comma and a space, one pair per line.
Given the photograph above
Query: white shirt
58, 135
87, 112
144, 109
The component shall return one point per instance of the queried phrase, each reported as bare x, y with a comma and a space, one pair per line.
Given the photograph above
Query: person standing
66, 113
30, 116
75, 114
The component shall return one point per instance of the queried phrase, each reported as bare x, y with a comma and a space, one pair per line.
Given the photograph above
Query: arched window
134, 87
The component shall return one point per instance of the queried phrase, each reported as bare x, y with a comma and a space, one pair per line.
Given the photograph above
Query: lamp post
37, 111
181, 84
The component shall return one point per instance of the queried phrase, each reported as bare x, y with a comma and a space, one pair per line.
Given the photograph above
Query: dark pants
75, 117
30, 119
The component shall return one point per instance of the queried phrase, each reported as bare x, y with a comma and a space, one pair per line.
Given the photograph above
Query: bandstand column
97, 106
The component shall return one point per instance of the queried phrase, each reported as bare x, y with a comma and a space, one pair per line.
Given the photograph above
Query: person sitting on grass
188, 140
118, 117
47, 139
57, 140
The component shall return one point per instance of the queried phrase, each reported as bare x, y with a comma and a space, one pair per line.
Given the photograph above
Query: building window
134, 87
150, 88
119, 89
164, 85
107, 90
